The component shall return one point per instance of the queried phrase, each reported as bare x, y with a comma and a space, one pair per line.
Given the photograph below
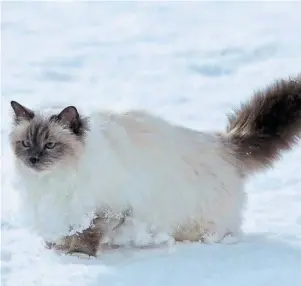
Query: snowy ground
189, 62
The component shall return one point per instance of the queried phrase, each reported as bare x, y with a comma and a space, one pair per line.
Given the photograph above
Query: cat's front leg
93, 240
90, 241
83, 244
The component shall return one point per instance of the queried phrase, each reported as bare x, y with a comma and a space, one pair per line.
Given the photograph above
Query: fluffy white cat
182, 182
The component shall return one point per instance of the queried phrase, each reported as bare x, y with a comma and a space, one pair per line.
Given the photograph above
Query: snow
189, 62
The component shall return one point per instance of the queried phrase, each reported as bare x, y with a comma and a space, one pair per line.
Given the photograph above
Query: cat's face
42, 143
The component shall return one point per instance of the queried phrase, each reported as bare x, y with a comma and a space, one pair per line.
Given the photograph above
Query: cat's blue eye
25, 144
50, 145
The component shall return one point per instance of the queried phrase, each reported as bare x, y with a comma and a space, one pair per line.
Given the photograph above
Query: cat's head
42, 143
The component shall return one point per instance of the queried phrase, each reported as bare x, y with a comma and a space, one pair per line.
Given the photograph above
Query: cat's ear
69, 115
21, 112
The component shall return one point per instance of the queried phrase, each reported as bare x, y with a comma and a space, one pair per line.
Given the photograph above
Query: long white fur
174, 179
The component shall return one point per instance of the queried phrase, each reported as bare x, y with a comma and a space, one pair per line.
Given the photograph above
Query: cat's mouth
37, 168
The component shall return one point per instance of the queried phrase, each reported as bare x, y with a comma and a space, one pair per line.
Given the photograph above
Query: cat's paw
227, 238
80, 255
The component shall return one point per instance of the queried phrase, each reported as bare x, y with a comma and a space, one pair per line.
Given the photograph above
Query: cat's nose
33, 160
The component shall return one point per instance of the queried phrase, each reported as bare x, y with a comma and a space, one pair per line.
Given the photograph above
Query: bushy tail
270, 122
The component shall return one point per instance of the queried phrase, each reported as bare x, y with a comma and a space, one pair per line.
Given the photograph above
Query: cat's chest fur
168, 175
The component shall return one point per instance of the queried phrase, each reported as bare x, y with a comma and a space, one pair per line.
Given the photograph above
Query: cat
183, 182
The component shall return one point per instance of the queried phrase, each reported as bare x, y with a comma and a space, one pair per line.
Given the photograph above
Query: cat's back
143, 139
142, 128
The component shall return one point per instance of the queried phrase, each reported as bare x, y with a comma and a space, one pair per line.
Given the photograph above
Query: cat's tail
266, 125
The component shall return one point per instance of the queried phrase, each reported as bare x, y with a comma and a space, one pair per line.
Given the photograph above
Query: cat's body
136, 160
186, 183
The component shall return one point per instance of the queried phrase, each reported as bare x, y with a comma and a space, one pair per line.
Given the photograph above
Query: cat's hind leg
206, 233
